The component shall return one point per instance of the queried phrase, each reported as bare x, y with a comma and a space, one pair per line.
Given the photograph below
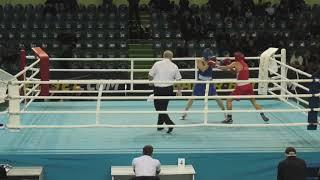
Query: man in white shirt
145, 167
164, 70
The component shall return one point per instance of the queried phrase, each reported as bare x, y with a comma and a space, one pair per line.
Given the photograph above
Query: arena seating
103, 31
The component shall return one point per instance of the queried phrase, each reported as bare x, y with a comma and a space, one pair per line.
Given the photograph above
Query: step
140, 46
140, 55
140, 51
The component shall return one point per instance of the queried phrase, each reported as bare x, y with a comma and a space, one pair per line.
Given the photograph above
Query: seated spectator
292, 168
270, 9
296, 60
145, 167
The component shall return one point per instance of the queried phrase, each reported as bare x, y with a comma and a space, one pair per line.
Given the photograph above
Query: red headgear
238, 56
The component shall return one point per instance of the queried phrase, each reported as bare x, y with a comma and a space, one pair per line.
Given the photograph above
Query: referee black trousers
162, 104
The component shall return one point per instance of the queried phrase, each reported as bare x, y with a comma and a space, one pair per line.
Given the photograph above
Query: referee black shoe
160, 129
170, 130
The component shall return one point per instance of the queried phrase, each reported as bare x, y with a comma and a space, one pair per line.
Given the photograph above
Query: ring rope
290, 104
35, 73
252, 80
127, 91
27, 68
164, 97
28, 104
298, 98
292, 68
128, 70
169, 112
156, 126
136, 59
298, 85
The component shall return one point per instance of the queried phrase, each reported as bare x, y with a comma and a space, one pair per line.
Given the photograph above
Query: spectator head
226, 54
168, 54
147, 150
290, 152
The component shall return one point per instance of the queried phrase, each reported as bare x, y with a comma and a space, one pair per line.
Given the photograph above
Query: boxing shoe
183, 117
265, 118
228, 120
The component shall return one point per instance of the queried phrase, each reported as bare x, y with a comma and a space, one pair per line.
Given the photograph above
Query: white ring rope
294, 83
35, 73
126, 91
120, 81
168, 112
292, 68
136, 59
128, 70
33, 89
31, 100
290, 93
165, 97
27, 68
141, 59
289, 103
156, 126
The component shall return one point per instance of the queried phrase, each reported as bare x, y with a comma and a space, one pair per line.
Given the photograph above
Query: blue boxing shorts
200, 89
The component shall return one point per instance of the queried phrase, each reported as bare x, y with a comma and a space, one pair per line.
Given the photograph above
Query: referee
164, 70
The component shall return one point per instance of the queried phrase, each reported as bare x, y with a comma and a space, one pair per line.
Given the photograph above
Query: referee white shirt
164, 70
145, 166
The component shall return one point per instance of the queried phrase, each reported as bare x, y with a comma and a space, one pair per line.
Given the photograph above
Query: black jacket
292, 168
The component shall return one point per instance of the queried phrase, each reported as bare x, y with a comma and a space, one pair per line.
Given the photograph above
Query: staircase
141, 49
140, 46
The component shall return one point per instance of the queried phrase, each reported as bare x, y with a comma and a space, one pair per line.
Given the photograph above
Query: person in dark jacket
292, 168
3, 173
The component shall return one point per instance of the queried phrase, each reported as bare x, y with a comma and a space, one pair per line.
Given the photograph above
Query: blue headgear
207, 54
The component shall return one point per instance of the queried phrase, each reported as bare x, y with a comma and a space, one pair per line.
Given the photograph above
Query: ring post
14, 106
206, 103
44, 70
314, 102
23, 62
283, 71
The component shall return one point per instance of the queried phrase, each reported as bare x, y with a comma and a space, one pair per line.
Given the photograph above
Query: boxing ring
62, 129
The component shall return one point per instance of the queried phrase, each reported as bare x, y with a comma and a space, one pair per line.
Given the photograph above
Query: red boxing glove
211, 63
225, 62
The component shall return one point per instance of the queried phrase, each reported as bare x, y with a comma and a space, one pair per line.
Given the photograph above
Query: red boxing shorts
243, 90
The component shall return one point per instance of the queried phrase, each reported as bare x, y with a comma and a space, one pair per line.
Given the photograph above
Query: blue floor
202, 146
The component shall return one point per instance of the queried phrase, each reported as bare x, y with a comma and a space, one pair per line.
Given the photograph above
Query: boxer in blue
204, 65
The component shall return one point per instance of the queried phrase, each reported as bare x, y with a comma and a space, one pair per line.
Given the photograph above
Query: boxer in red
242, 70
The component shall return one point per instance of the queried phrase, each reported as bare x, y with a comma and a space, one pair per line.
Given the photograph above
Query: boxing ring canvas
215, 152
